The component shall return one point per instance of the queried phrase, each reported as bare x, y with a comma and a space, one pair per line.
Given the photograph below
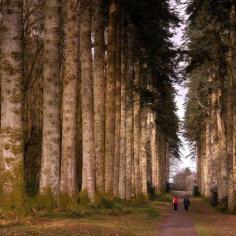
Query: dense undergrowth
64, 206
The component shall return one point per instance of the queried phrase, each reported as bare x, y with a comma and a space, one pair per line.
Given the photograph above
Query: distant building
185, 180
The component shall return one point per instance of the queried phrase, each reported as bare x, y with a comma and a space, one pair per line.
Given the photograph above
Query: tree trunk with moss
50, 163
221, 152
149, 147
122, 169
12, 175
99, 93
143, 150
110, 99
232, 92
129, 115
208, 162
118, 105
87, 97
154, 151
137, 127
70, 97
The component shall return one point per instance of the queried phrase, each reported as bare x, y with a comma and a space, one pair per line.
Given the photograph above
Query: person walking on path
175, 203
186, 203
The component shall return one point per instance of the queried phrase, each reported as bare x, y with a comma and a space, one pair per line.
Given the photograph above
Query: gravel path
177, 224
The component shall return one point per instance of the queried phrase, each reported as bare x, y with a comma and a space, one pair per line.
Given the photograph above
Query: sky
181, 93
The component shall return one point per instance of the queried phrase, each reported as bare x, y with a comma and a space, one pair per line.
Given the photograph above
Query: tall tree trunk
229, 141
70, 97
87, 97
99, 93
110, 99
79, 147
143, 144
50, 163
214, 139
221, 144
233, 74
143, 151
202, 163
122, 170
149, 148
129, 115
199, 161
167, 165
158, 163
208, 168
12, 176
137, 127
164, 163
154, 151
222, 155
118, 105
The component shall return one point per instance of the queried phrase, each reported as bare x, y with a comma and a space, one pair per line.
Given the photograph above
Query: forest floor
153, 218
201, 220
122, 220
209, 221
178, 223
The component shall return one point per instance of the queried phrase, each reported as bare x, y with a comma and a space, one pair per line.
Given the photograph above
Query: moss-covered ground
107, 218
210, 221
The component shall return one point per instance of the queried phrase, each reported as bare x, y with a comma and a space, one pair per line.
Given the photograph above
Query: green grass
164, 197
106, 218
203, 230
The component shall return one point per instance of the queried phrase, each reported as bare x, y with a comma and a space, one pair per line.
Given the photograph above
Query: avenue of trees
210, 119
87, 97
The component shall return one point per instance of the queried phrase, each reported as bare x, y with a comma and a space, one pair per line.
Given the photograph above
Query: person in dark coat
186, 203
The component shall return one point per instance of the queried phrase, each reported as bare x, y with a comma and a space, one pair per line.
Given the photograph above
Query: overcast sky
181, 92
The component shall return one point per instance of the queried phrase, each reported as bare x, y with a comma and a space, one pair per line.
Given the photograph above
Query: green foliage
168, 189
83, 198
214, 197
196, 192
106, 203
152, 212
152, 21
164, 197
208, 45
223, 204
67, 202
43, 202
152, 191
156, 195
139, 200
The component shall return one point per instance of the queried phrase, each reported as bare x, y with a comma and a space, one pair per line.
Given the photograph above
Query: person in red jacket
175, 203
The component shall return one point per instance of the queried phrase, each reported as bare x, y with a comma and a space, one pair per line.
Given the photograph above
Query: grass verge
209, 221
107, 218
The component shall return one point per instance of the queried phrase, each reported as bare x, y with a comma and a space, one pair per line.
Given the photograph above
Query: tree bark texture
12, 168
87, 98
99, 93
110, 99
69, 103
51, 148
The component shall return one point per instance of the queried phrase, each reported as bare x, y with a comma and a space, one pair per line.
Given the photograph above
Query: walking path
177, 223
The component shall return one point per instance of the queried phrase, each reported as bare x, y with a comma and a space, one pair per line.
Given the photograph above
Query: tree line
87, 98
210, 115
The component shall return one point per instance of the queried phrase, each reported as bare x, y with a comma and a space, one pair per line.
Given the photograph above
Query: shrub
223, 204
139, 200
168, 187
152, 191
163, 197
214, 197
196, 192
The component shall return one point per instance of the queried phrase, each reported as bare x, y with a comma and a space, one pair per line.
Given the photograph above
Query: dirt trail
177, 223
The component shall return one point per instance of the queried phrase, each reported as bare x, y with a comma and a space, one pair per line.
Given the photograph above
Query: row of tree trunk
98, 136
216, 150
